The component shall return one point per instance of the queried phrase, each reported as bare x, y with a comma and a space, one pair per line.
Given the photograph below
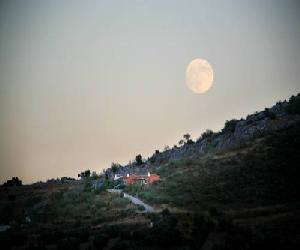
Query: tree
115, 167
208, 133
190, 141
271, 115
230, 126
187, 137
94, 175
186, 140
139, 160
15, 181
293, 106
181, 142
86, 173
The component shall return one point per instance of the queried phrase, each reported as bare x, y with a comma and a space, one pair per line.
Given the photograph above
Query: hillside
230, 190
235, 134
246, 177
264, 171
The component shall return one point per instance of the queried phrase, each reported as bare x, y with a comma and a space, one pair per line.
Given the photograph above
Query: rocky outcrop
261, 123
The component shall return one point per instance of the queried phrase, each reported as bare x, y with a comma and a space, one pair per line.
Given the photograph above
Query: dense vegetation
294, 105
261, 173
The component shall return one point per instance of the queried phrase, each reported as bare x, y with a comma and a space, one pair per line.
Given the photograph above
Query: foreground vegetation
75, 217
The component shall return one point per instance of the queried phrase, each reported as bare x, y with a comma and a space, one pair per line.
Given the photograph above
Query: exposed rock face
261, 123
264, 122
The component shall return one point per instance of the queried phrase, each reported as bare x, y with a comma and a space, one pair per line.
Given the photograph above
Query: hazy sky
87, 83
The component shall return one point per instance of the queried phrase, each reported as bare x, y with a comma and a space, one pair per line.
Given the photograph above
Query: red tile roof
133, 178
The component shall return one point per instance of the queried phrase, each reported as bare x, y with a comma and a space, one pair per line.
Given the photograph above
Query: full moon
199, 75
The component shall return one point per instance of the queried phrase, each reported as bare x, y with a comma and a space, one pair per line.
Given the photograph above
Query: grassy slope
264, 172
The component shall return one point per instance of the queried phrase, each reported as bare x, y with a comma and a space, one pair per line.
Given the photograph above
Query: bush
107, 184
56, 196
15, 181
88, 186
270, 114
293, 106
190, 142
230, 126
133, 189
115, 167
120, 202
139, 160
152, 159
99, 203
207, 134
85, 174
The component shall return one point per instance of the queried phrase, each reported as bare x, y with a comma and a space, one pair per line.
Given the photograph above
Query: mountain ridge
235, 133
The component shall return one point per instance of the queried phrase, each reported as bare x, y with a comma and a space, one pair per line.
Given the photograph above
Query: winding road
134, 200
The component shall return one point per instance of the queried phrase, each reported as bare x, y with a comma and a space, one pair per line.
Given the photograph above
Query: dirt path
134, 200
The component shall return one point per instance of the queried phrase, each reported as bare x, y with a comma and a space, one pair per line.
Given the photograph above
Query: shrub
115, 167
15, 181
293, 106
85, 174
190, 142
99, 203
133, 189
270, 114
230, 126
152, 159
186, 137
106, 185
181, 142
139, 160
88, 186
119, 202
208, 133
56, 196
186, 140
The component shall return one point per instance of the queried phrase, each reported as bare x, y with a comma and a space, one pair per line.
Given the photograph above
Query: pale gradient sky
87, 83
